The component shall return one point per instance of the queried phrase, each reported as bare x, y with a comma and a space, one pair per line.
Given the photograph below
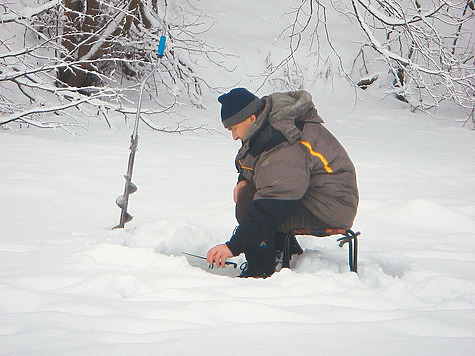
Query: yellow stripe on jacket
244, 167
317, 154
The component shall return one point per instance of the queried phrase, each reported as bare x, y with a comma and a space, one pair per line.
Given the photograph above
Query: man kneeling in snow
293, 173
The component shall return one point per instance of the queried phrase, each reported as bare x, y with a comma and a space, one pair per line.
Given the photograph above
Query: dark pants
262, 260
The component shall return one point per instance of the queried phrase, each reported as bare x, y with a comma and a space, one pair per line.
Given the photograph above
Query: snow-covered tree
426, 46
61, 56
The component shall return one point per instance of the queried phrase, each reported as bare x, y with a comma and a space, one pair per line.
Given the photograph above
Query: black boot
294, 247
287, 245
260, 261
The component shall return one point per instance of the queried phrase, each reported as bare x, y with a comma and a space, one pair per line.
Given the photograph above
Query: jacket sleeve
281, 178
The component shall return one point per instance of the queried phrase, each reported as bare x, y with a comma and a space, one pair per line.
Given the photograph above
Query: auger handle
161, 46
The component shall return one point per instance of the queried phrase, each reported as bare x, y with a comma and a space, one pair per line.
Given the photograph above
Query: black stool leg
355, 254
286, 252
352, 239
350, 254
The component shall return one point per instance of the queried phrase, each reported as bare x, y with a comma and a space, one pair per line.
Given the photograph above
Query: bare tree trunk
78, 38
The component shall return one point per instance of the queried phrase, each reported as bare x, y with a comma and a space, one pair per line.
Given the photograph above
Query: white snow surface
70, 285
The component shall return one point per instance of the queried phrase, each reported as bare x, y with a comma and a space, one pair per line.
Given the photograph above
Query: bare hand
218, 255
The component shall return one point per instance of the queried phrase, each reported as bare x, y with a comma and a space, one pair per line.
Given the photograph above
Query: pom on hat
238, 105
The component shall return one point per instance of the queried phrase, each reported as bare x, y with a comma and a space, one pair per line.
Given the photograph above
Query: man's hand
238, 187
218, 255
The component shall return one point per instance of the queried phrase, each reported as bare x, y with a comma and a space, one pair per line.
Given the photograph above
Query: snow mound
429, 215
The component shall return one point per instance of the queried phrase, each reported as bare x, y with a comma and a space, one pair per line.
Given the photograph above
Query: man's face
239, 130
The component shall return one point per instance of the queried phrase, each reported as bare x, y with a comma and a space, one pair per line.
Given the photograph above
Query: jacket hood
282, 111
292, 105
287, 108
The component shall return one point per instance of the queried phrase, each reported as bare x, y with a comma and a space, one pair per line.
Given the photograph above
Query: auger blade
120, 201
132, 188
128, 217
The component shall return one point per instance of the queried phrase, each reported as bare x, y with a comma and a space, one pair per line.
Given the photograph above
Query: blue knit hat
238, 105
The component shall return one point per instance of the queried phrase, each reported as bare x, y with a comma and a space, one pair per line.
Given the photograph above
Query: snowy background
70, 285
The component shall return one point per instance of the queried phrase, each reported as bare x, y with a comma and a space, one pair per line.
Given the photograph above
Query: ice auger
123, 200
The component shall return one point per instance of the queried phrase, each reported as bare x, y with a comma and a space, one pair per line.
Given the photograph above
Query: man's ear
253, 117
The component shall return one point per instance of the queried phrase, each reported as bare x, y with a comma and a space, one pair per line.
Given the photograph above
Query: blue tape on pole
161, 46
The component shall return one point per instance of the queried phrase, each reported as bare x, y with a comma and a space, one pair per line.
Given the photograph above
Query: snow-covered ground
70, 285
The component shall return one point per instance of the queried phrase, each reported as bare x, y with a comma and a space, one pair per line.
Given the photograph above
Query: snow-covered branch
74, 54
28, 13
424, 59
423, 49
48, 109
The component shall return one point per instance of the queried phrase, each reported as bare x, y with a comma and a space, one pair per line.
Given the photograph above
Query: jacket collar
281, 111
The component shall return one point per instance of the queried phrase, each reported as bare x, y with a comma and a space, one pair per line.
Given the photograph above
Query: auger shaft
123, 200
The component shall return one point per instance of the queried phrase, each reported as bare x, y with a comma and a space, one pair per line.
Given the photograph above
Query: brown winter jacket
291, 157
